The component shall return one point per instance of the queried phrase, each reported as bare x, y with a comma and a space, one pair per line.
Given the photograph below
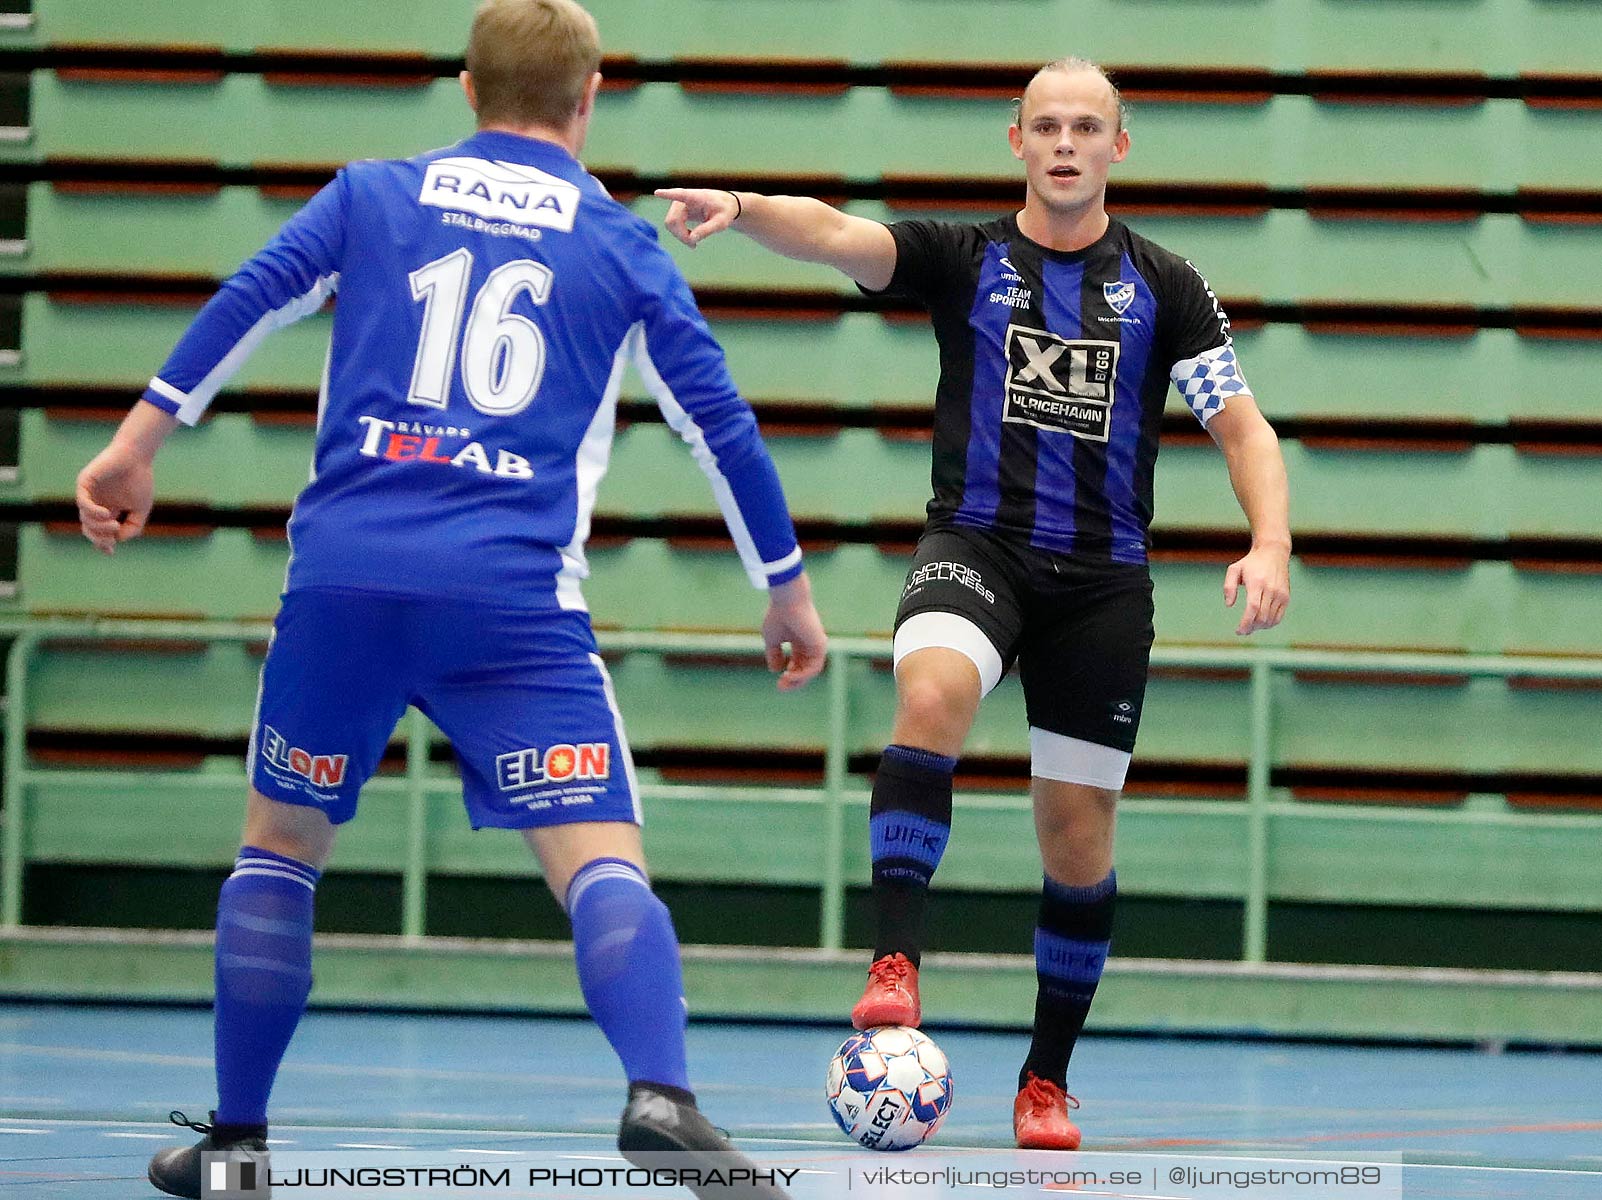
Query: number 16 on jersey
502, 353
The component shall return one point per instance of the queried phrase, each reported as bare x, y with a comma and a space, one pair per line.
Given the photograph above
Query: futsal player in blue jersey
1060, 331
489, 297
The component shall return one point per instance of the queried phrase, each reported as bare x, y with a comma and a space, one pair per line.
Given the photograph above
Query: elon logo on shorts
322, 770
559, 764
1059, 385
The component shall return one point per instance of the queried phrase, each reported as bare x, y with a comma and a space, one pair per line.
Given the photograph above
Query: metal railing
1261, 663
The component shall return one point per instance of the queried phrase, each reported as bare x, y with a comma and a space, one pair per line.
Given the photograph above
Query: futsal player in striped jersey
489, 297
1060, 331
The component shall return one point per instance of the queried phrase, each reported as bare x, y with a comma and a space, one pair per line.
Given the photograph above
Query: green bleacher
243, 120
1498, 36
860, 359
1433, 379
1494, 259
1486, 491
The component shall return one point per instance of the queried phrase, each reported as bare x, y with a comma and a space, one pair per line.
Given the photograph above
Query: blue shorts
523, 696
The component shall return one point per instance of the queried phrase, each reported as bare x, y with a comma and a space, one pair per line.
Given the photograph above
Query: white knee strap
949, 631
1073, 760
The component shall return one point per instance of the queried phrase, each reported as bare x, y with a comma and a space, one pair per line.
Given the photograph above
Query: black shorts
1080, 633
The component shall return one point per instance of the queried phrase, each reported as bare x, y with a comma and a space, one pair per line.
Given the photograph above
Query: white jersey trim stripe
162, 388
594, 453
680, 421
192, 406
784, 564
255, 720
622, 738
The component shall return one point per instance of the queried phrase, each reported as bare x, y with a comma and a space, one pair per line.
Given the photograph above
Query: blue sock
1071, 944
628, 969
909, 822
264, 934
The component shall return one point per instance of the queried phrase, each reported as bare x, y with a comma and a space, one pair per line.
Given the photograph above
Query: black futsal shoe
239, 1168
662, 1130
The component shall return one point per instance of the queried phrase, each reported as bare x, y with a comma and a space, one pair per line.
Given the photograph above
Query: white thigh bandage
950, 632
1073, 760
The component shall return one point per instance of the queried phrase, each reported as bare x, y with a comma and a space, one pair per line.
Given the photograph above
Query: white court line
476, 1150
412, 1129
151, 1137
2, 1130
313, 1068
367, 1146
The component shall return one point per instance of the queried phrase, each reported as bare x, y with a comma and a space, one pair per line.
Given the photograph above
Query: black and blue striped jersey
1054, 370
490, 296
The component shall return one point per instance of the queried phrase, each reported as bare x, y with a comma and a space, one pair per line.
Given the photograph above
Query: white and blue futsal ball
889, 1088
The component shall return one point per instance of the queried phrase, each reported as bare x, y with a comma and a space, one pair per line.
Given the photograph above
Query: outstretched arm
1257, 473
794, 226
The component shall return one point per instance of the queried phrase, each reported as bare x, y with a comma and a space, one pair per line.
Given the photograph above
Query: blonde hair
531, 60
1067, 66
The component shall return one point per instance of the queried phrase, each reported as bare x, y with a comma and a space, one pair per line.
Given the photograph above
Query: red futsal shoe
1040, 1117
891, 997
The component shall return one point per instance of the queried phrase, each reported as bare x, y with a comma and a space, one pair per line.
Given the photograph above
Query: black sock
1071, 944
910, 821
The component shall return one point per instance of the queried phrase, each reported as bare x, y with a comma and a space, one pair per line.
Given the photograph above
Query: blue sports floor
84, 1094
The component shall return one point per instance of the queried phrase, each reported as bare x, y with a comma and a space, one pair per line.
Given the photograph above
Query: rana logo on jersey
1058, 385
1119, 295
501, 191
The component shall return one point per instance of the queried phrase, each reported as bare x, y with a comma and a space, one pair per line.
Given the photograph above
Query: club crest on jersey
501, 191
1119, 295
1058, 385
562, 763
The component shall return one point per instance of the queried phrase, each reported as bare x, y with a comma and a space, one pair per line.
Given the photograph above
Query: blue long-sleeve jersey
491, 295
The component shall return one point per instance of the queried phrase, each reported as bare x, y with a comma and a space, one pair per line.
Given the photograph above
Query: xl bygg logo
1060, 385
321, 770
561, 763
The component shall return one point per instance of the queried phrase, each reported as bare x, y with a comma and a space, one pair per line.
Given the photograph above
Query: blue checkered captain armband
1209, 379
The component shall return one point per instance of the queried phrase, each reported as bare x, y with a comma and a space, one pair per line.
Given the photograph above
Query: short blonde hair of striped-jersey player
1067, 66
531, 60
